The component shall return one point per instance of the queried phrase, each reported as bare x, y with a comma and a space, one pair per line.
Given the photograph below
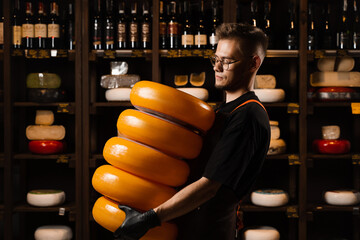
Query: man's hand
136, 224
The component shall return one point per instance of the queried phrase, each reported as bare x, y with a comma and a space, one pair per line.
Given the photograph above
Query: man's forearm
187, 199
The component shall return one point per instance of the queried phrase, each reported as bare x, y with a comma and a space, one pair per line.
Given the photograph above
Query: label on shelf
355, 108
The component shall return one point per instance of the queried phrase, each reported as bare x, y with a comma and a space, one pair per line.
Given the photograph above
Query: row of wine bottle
182, 24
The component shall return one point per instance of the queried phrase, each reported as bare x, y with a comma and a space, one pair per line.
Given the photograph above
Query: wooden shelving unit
91, 121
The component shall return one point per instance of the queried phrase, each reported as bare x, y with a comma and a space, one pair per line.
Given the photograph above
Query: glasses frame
215, 59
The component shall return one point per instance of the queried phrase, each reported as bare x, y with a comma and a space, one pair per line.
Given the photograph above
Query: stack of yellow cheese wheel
147, 158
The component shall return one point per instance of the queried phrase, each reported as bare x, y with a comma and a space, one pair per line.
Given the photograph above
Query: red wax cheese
46, 146
325, 146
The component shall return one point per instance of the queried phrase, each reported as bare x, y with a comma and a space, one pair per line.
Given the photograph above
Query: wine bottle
146, 27
122, 42
134, 27
54, 26
162, 27
254, 13
213, 39
27, 36
200, 34
16, 26
327, 41
267, 23
173, 27
40, 27
312, 31
187, 36
97, 27
356, 27
109, 26
291, 37
70, 28
1, 27
343, 34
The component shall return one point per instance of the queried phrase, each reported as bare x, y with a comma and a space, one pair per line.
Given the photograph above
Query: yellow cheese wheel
168, 101
145, 162
107, 214
159, 133
129, 189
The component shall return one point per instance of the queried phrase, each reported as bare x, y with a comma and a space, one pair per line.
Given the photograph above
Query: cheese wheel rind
118, 94
129, 189
335, 79
106, 213
261, 233
277, 146
342, 197
200, 93
270, 95
45, 197
174, 103
159, 133
337, 146
269, 197
275, 132
145, 162
43, 80
53, 232
265, 82
330, 132
44, 117
43, 132
327, 64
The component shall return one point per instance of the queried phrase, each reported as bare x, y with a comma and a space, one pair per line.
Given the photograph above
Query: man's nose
218, 66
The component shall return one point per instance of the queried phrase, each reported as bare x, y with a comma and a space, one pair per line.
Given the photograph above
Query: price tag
109, 54
62, 159
293, 108
355, 108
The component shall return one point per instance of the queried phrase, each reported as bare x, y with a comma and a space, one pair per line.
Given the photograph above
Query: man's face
238, 74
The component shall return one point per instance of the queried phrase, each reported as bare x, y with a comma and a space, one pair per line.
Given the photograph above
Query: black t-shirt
233, 153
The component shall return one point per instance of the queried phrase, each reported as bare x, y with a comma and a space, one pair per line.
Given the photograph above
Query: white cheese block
200, 93
265, 81
269, 197
270, 95
277, 146
53, 232
118, 94
335, 79
275, 132
331, 132
342, 197
261, 233
45, 197
44, 117
42, 132
345, 64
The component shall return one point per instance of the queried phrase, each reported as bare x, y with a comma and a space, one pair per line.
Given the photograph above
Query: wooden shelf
329, 104
69, 207
254, 208
112, 54
60, 158
282, 53
62, 107
329, 156
44, 53
315, 54
112, 104
331, 208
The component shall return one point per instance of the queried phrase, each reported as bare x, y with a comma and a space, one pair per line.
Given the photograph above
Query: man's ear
255, 63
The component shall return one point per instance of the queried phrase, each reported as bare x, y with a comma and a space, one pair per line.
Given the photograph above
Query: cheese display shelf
329, 208
253, 208
61, 209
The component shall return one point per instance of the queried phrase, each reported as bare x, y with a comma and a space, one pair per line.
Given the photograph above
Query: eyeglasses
225, 63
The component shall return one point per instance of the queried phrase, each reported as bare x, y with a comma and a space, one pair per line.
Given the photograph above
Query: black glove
136, 224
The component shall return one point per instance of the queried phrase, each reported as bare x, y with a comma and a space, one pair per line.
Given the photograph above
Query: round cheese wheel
339, 146
173, 104
159, 133
330, 132
45, 95
108, 215
46, 146
345, 64
335, 79
45, 197
200, 93
129, 189
145, 162
275, 132
277, 146
42, 132
43, 80
44, 117
261, 233
342, 197
270, 95
336, 94
265, 81
53, 232
118, 94
269, 197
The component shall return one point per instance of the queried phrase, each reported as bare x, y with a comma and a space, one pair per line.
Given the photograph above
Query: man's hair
254, 37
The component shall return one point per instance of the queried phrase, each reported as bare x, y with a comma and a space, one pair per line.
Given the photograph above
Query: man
206, 208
